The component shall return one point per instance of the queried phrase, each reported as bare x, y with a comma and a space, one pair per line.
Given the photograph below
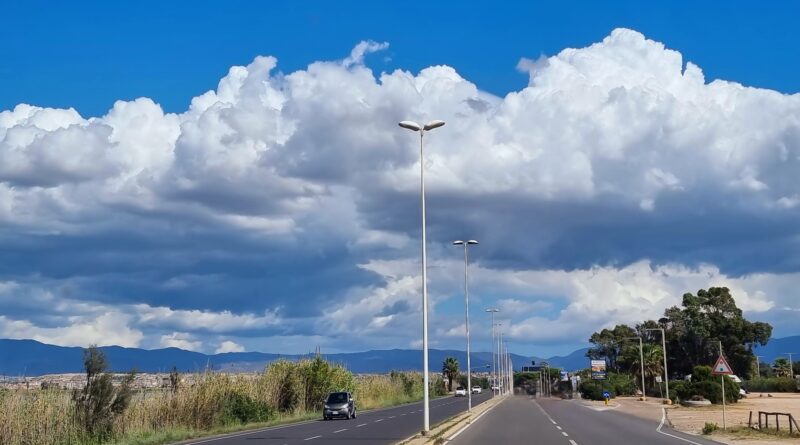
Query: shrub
706, 385
772, 384
709, 428
99, 402
593, 390
243, 409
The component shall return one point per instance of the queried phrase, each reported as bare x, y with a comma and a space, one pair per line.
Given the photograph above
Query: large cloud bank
280, 210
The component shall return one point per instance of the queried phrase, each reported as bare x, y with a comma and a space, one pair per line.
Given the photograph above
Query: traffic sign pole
722, 368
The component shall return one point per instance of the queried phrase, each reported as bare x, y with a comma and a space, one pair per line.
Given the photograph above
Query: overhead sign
598, 369
722, 367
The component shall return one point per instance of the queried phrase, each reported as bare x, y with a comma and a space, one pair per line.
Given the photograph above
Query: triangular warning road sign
722, 367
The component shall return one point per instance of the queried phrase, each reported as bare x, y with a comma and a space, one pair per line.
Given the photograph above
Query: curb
455, 423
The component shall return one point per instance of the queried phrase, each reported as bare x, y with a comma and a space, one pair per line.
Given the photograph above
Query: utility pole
758, 366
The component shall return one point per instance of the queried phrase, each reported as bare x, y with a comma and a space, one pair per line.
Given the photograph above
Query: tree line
693, 332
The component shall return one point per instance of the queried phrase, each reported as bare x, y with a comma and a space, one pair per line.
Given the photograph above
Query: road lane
379, 427
524, 420
511, 422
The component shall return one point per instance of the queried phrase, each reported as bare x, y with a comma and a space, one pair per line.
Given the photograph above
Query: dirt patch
691, 420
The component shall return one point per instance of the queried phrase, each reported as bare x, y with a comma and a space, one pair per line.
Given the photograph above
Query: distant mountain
32, 358
778, 347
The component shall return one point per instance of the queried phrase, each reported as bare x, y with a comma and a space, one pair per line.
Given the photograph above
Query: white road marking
565, 434
379, 420
251, 432
343, 429
558, 427
573, 442
661, 425
359, 426
470, 424
312, 438
392, 417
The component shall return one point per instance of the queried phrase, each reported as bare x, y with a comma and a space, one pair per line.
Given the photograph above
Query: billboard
598, 369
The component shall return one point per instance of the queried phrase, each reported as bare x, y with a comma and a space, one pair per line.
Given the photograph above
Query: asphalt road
385, 426
524, 420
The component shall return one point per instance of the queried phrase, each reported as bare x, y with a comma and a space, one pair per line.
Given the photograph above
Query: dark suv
339, 404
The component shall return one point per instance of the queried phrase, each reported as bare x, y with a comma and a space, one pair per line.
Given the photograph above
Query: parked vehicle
476, 389
339, 404
461, 391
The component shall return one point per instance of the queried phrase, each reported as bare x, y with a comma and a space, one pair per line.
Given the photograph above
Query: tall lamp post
494, 367
664, 351
422, 129
466, 311
641, 362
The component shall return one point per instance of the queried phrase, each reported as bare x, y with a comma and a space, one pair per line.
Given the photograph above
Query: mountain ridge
33, 358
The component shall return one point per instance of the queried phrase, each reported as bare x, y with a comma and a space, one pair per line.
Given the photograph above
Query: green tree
100, 402
450, 371
608, 344
703, 319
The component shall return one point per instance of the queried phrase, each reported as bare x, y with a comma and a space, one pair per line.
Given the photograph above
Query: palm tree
782, 367
450, 371
653, 364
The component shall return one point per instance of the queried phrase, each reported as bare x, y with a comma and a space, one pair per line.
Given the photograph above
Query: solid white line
311, 438
247, 433
660, 425
359, 426
471, 423
343, 429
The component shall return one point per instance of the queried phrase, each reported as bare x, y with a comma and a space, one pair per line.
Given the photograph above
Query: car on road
339, 404
476, 389
461, 391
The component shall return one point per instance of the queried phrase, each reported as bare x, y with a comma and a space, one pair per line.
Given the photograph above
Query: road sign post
722, 368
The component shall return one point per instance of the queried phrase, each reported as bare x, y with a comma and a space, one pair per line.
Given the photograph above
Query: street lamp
466, 311
494, 367
413, 126
664, 351
641, 362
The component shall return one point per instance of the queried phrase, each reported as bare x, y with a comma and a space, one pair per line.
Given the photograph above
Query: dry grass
45, 417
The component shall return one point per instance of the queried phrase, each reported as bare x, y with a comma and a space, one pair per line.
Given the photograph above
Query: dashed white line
359, 426
312, 438
392, 417
573, 442
343, 429
558, 427
379, 420
565, 434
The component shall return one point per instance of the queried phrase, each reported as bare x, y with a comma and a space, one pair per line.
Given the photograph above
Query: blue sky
229, 176
88, 56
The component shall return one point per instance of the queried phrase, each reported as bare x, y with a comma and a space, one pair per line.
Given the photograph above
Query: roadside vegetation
102, 413
693, 333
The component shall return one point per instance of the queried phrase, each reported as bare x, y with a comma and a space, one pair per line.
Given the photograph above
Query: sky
224, 176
